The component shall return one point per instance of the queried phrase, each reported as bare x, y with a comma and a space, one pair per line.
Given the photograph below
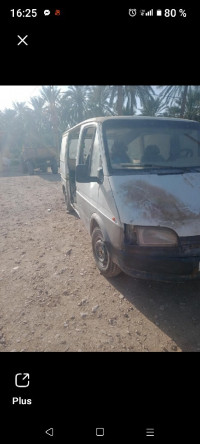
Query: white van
135, 183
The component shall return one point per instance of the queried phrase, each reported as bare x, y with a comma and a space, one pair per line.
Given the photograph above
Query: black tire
54, 167
30, 167
102, 256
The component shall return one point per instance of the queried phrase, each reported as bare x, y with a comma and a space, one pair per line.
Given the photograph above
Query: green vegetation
41, 122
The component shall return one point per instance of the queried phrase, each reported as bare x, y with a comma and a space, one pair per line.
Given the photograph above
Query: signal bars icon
149, 13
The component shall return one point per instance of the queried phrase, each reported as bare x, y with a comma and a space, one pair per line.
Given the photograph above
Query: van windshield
149, 144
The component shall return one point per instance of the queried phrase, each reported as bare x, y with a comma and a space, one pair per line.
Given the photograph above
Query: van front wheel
102, 256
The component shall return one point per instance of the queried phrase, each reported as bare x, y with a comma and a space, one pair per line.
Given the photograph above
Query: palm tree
37, 103
63, 115
13, 127
170, 94
98, 101
51, 96
8, 129
192, 106
76, 102
152, 107
126, 96
20, 108
135, 92
22, 123
117, 98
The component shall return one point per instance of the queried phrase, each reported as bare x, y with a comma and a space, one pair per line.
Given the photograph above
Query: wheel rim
101, 253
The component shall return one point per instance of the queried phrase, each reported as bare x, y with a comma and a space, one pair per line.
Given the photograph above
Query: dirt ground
52, 296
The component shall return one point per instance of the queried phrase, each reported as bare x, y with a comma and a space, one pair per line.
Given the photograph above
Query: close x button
22, 40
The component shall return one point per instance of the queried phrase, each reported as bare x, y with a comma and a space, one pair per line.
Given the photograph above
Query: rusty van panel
171, 200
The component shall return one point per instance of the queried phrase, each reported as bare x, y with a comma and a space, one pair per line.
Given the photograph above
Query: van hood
159, 200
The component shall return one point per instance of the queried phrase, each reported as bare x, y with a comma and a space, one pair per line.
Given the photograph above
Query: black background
100, 44
75, 393
123, 392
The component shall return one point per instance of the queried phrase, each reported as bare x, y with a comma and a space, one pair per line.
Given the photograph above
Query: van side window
87, 145
96, 157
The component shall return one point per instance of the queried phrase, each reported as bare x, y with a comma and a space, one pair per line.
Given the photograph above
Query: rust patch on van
155, 203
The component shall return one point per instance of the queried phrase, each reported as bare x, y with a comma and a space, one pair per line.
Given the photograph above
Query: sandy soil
52, 296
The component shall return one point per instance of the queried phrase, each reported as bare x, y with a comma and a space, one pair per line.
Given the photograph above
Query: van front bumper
178, 264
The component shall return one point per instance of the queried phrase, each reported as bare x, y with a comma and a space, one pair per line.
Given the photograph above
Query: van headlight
151, 236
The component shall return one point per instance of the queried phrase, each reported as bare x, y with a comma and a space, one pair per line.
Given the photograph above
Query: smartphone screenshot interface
91, 352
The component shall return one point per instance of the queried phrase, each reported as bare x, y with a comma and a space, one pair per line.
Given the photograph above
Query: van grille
190, 242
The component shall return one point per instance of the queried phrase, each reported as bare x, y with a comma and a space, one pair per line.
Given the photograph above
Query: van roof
102, 119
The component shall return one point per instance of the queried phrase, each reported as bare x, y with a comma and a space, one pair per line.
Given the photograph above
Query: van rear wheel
102, 256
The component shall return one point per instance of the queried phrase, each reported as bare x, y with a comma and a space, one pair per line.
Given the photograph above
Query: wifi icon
142, 11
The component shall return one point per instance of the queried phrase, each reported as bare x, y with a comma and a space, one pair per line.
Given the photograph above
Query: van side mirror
82, 174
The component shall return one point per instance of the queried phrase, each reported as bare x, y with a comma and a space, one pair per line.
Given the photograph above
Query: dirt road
52, 296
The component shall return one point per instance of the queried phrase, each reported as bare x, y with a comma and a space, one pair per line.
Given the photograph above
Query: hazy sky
10, 94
